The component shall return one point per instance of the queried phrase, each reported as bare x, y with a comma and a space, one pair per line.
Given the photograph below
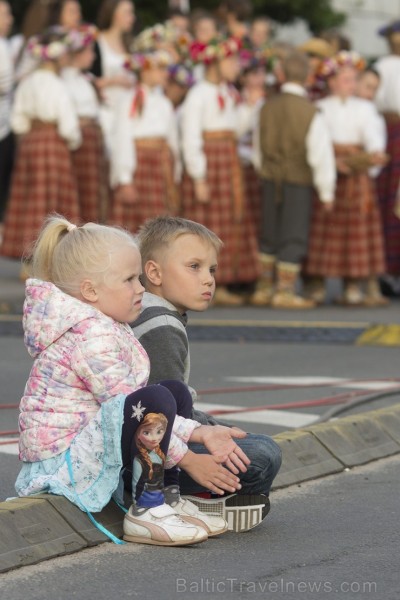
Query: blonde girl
86, 394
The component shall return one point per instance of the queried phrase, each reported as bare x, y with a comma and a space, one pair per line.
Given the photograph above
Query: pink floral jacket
82, 358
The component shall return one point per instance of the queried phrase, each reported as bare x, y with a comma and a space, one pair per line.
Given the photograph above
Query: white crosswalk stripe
328, 381
11, 448
290, 380
281, 418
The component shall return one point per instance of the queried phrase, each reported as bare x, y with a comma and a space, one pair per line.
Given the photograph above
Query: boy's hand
219, 441
201, 191
209, 473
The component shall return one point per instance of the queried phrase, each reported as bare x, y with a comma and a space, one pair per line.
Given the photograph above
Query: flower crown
53, 50
182, 75
82, 37
216, 49
140, 61
388, 30
255, 58
152, 37
344, 58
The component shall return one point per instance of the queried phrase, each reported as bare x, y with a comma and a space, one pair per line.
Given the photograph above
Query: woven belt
87, 121
156, 142
219, 135
391, 117
38, 124
360, 177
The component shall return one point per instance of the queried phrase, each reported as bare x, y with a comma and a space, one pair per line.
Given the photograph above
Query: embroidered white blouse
6, 87
81, 92
354, 121
43, 96
388, 94
201, 111
157, 119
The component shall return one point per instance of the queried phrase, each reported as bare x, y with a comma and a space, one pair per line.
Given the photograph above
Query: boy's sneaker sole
241, 511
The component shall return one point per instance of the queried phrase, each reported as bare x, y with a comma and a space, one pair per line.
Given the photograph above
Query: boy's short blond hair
155, 235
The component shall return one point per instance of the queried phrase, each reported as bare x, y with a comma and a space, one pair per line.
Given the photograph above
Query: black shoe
241, 511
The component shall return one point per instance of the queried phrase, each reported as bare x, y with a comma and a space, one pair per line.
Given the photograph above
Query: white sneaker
241, 511
213, 524
160, 526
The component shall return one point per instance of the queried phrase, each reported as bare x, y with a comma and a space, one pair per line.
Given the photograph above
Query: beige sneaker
374, 296
352, 295
223, 297
213, 524
314, 288
160, 526
376, 300
291, 300
262, 295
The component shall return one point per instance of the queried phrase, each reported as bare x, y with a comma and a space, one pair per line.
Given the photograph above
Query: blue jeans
265, 456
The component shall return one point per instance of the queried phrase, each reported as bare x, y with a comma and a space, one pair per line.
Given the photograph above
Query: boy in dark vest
296, 155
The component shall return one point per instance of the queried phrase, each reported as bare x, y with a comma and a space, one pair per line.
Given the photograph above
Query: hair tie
70, 227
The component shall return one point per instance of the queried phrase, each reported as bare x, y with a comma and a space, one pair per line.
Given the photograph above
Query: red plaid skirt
387, 185
238, 261
252, 186
43, 182
156, 192
91, 171
348, 242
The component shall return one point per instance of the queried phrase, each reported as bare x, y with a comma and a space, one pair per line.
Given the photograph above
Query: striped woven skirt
156, 191
387, 187
91, 170
43, 182
227, 213
349, 241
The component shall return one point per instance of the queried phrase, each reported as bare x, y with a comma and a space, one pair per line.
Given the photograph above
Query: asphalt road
219, 365
338, 536
333, 538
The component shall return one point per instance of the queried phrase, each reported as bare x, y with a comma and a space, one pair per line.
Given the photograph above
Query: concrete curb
327, 448
45, 526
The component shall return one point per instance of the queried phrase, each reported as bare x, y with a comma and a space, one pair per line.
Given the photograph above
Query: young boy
179, 263
296, 154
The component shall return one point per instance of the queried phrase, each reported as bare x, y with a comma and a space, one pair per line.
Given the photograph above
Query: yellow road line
10, 318
247, 323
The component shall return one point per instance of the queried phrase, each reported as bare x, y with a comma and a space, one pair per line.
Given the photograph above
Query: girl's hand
380, 159
219, 441
126, 194
201, 191
328, 207
209, 473
341, 167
